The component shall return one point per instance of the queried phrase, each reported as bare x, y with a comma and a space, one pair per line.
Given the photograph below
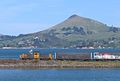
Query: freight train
36, 56
96, 56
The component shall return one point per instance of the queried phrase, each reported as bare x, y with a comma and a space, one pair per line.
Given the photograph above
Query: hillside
74, 32
77, 26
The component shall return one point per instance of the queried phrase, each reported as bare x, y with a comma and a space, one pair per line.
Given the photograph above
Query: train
35, 56
95, 56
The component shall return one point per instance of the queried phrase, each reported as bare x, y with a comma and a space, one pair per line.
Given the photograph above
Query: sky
28, 16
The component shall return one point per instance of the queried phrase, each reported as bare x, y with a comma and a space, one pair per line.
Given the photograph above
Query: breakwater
33, 64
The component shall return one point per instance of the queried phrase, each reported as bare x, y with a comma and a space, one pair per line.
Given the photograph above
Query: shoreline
32, 64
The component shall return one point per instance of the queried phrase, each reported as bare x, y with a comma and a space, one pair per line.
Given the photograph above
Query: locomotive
36, 56
96, 56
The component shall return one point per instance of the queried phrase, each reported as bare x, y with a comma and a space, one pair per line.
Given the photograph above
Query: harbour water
91, 74
61, 75
14, 53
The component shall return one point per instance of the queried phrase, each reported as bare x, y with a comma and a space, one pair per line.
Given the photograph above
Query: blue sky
27, 16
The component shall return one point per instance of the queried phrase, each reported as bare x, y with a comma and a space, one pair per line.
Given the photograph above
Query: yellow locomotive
36, 56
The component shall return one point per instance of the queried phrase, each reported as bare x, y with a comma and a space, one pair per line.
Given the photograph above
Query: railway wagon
106, 56
81, 56
46, 57
94, 56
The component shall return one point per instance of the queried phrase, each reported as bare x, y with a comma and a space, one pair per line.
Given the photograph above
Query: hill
74, 32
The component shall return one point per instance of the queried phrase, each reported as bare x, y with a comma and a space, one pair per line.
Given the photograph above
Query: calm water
57, 74
61, 75
14, 53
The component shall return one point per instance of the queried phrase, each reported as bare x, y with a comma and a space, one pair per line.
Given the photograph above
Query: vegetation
75, 32
33, 64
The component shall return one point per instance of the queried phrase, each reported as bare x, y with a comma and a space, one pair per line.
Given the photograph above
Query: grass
17, 64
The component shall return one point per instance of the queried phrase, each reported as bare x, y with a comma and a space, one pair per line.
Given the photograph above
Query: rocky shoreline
32, 64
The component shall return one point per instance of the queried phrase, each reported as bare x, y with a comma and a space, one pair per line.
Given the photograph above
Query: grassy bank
32, 64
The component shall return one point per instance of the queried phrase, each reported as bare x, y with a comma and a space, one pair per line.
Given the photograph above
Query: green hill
74, 32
